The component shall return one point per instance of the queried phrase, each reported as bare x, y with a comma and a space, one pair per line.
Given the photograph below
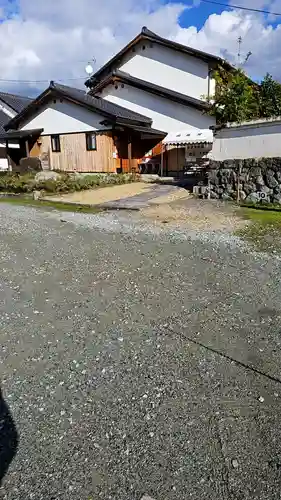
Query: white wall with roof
169, 68
64, 117
166, 115
257, 139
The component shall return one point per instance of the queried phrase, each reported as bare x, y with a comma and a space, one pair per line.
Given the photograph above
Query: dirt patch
197, 214
103, 195
176, 194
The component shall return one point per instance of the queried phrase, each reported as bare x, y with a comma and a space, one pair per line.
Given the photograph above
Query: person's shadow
8, 438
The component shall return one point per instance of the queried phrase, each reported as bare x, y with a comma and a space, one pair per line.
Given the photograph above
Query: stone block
36, 195
29, 164
214, 195
266, 190
249, 187
253, 198
47, 175
271, 181
278, 175
226, 197
277, 199
259, 180
255, 173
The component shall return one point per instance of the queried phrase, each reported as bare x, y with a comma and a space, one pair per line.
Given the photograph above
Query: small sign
262, 195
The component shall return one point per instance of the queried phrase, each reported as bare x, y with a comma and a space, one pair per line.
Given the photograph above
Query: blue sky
197, 16
54, 39
200, 11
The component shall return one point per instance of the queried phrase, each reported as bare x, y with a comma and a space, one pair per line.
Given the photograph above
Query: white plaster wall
256, 141
168, 68
63, 118
166, 115
3, 158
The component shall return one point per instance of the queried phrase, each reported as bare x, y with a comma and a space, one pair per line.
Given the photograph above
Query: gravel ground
110, 396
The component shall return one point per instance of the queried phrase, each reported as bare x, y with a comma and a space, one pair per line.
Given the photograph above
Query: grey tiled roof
16, 102
109, 110
100, 104
3, 121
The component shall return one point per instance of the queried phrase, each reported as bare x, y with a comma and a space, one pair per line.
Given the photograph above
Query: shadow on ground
8, 438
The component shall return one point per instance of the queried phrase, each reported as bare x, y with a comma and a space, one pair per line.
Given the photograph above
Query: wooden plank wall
74, 156
175, 160
128, 166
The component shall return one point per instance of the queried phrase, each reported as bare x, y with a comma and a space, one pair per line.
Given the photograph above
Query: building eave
120, 76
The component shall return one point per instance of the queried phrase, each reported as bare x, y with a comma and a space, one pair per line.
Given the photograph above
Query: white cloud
220, 35
57, 38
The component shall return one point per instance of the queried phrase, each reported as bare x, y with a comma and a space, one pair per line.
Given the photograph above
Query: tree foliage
269, 97
238, 99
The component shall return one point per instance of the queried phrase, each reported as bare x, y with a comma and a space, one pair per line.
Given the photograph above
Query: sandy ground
196, 214
178, 194
103, 195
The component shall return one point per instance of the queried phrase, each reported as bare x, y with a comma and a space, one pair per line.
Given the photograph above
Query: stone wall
255, 179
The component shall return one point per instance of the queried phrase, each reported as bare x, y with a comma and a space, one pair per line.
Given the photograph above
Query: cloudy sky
54, 39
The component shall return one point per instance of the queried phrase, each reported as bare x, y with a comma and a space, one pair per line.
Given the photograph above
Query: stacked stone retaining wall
251, 180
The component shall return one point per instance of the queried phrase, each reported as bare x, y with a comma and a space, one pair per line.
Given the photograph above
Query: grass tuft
263, 230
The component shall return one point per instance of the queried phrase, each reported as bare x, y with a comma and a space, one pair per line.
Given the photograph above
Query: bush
17, 183
67, 183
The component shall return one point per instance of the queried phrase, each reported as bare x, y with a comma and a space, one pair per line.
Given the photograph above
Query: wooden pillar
26, 148
130, 154
162, 159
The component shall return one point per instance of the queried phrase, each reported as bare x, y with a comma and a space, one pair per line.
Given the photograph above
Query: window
91, 141
55, 140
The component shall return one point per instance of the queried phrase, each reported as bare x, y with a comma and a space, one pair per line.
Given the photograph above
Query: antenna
89, 68
248, 55
239, 50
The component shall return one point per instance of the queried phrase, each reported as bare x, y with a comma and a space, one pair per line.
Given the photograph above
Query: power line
44, 81
241, 8
91, 60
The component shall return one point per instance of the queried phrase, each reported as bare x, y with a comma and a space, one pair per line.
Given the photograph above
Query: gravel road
110, 396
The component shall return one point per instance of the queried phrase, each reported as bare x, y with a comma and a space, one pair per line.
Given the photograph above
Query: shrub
16, 183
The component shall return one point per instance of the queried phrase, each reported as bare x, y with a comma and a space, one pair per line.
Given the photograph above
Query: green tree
236, 97
269, 97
